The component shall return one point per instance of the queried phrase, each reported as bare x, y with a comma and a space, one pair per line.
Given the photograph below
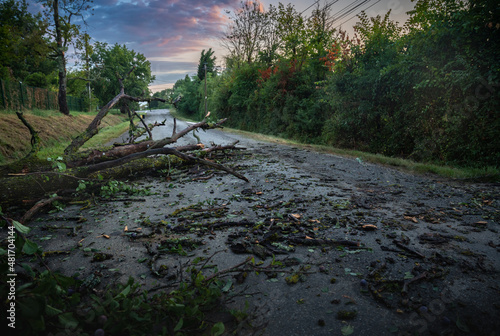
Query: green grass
56, 148
490, 174
56, 145
46, 113
107, 134
42, 113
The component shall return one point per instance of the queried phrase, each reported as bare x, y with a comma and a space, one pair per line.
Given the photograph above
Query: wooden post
21, 94
3, 94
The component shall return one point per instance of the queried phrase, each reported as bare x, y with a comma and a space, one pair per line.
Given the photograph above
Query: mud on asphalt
342, 246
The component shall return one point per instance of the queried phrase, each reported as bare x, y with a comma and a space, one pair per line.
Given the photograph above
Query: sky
173, 33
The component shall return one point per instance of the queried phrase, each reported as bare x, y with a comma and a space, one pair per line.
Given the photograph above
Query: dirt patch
15, 137
339, 246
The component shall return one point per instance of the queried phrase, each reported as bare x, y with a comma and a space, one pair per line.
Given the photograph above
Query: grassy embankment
55, 130
487, 174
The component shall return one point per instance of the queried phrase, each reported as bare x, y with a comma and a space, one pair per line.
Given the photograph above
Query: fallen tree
31, 179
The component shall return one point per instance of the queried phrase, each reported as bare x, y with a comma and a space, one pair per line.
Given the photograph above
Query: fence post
21, 93
33, 98
4, 100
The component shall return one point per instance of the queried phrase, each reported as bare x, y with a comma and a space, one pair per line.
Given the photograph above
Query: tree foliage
206, 64
109, 63
23, 45
426, 90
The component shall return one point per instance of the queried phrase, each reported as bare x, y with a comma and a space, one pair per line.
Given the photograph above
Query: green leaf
124, 292
61, 166
227, 287
347, 330
393, 329
30, 247
2, 251
29, 270
218, 329
408, 275
68, 321
20, 227
179, 325
51, 311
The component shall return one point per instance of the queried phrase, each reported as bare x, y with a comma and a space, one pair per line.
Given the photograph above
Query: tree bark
61, 61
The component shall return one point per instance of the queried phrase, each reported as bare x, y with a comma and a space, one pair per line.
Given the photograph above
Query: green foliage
428, 94
23, 47
206, 59
111, 188
427, 91
49, 302
188, 88
111, 62
57, 163
166, 94
37, 79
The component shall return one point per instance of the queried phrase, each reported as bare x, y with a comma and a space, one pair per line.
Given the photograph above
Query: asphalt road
161, 132
358, 248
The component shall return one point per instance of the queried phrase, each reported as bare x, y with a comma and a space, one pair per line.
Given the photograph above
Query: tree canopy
111, 63
24, 47
426, 90
206, 59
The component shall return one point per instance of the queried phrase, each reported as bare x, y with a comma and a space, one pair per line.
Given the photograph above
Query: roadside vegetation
56, 132
486, 174
426, 91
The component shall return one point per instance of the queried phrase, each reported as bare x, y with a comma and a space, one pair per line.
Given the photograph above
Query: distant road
160, 132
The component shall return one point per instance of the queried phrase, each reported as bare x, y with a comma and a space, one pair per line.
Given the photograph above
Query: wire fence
17, 96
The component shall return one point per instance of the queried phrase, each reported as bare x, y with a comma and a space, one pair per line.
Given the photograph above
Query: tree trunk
92, 129
61, 61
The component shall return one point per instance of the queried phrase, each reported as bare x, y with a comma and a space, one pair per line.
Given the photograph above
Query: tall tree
61, 13
243, 37
83, 44
206, 59
23, 48
291, 29
268, 52
109, 63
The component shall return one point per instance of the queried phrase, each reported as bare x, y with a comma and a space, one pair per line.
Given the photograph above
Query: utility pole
206, 98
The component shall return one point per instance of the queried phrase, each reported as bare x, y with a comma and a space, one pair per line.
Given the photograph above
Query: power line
358, 13
315, 2
324, 8
348, 10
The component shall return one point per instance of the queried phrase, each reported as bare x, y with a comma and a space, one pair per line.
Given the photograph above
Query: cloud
170, 33
158, 27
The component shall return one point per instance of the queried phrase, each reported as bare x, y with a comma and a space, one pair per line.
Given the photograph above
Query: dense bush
427, 91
